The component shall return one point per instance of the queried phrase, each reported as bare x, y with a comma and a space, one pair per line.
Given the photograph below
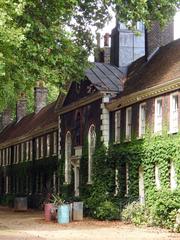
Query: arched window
68, 147
91, 148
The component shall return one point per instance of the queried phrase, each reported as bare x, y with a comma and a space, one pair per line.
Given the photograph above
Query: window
141, 185
173, 177
27, 151
142, 119
7, 156
117, 125
158, 115
55, 143
91, 149
22, 152
37, 148
14, 160
174, 113
17, 154
42, 147
128, 122
157, 177
48, 145
3, 157
68, 147
30, 150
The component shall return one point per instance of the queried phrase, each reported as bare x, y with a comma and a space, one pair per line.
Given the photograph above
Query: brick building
134, 87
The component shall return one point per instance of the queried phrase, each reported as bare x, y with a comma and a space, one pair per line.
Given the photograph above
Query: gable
79, 90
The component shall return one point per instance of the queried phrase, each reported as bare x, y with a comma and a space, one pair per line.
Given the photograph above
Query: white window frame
7, 156
174, 114
27, 150
3, 157
22, 152
37, 148
128, 123
55, 143
157, 117
91, 149
142, 121
68, 153
117, 126
31, 150
48, 145
17, 153
42, 147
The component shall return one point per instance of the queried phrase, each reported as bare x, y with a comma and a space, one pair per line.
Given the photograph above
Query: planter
77, 211
48, 211
63, 214
20, 204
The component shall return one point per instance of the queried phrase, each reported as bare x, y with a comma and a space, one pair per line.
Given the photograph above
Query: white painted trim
172, 128
140, 119
128, 123
156, 128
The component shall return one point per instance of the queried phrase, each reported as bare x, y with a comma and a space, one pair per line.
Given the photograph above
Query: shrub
107, 210
164, 208
135, 213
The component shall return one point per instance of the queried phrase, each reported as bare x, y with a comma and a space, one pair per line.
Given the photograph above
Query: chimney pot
106, 39
40, 95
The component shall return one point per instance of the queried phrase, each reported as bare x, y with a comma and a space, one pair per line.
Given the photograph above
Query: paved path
31, 226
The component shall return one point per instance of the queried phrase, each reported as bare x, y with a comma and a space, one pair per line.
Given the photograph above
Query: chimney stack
21, 107
106, 39
6, 118
157, 37
40, 96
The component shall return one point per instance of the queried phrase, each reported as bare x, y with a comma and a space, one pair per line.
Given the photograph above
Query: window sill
89, 183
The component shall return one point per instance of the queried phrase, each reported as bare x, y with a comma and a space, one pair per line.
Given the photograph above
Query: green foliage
135, 213
164, 208
107, 210
51, 40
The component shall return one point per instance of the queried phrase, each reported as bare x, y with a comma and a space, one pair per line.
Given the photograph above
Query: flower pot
63, 214
47, 211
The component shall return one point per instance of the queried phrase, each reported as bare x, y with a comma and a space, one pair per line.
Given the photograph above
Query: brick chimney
158, 37
40, 96
107, 50
6, 118
21, 107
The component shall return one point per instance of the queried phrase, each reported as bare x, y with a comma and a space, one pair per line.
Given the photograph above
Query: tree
50, 39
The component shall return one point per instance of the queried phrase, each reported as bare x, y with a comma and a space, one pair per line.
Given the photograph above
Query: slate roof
163, 67
105, 77
30, 124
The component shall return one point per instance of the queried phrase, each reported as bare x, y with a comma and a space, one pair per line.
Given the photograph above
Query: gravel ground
31, 226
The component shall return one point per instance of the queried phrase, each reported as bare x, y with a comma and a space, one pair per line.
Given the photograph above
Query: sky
177, 25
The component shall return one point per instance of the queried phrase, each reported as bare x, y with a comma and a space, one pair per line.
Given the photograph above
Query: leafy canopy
50, 40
